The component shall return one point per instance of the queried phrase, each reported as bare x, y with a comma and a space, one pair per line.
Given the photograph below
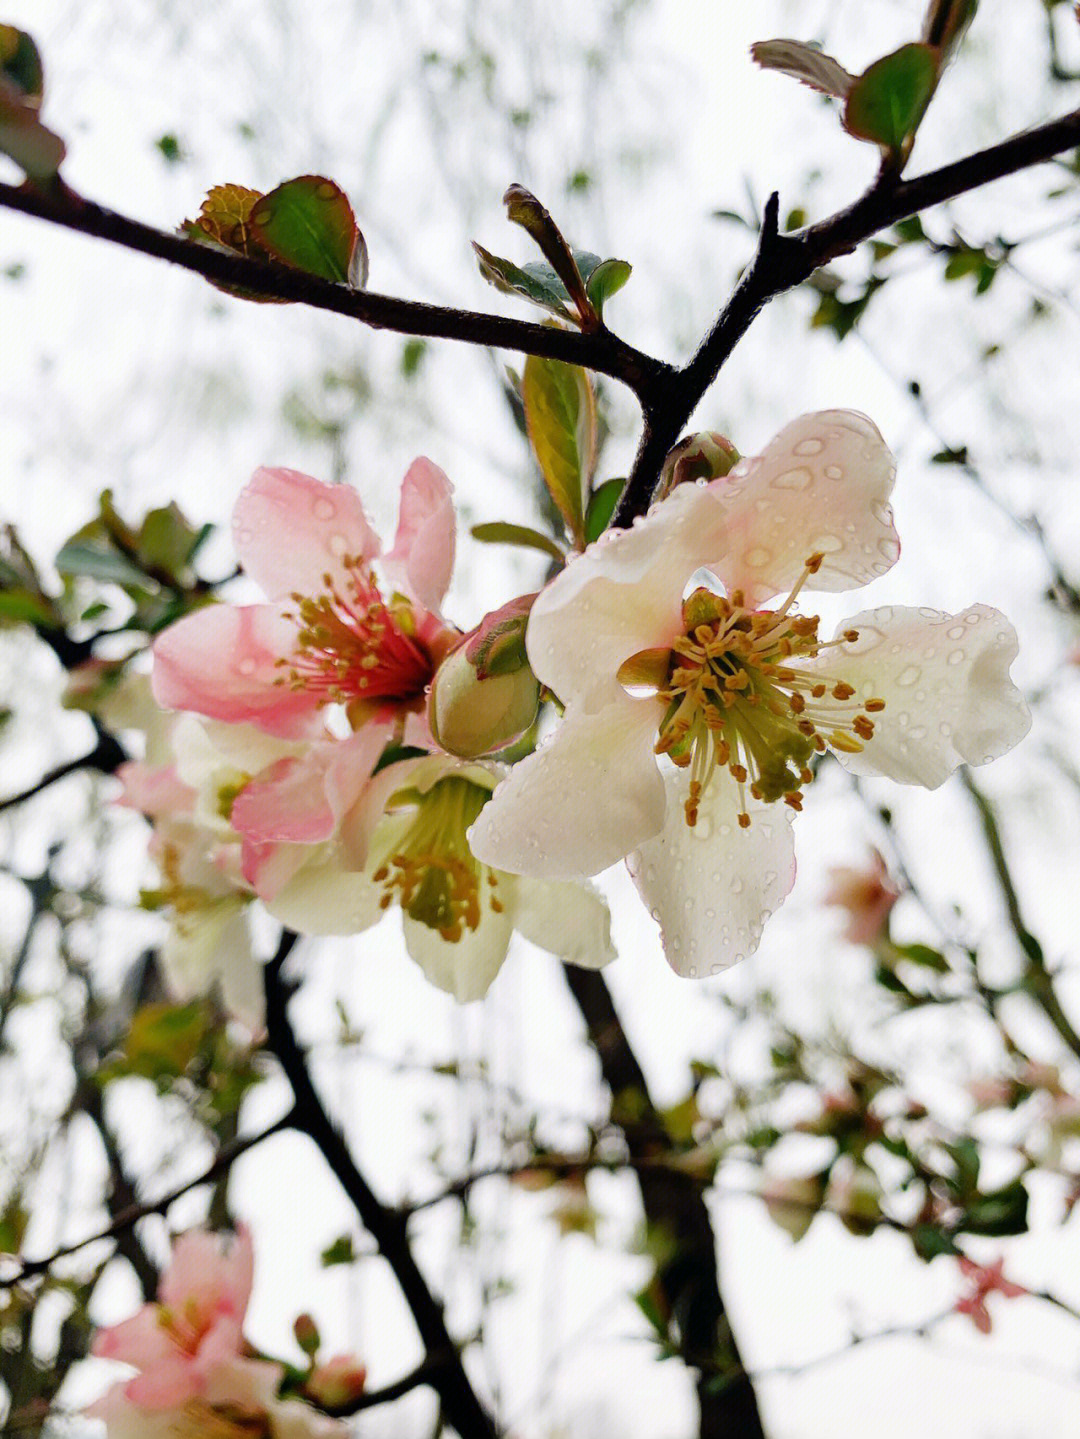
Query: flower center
431, 871
740, 694
352, 645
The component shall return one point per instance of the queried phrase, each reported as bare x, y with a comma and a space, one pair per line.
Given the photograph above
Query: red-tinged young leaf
946, 22
501, 532
805, 63
560, 414
224, 218
309, 224
524, 209
888, 100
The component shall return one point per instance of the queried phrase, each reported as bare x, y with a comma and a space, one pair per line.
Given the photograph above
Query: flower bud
484, 695
307, 1334
337, 1383
706, 456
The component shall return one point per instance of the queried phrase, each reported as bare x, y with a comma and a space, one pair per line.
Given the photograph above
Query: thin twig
105, 757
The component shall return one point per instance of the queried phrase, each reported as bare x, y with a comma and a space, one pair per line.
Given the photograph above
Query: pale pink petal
712, 886
463, 967
249, 1385
287, 803
590, 793
139, 1340
570, 921
422, 559
290, 530
624, 594
322, 897
822, 484
268, 867
222, 662
166, 1384
221, 1343
125, 1420
946, 686
210, 1274
154, 790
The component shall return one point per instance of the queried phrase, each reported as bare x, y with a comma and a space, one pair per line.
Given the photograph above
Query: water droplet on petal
246, 666
917, 731
957, 657
833, 472
703, 828
758, 557
945, 729
736, 885
800, 479
338, 544
828, 544
972, 619
809, 446
908, 676
955, 632
324, 509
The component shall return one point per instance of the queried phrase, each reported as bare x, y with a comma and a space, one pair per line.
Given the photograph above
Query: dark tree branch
123, 1219
784, 261
105, 757
386, 1226
598, 350
674, 1204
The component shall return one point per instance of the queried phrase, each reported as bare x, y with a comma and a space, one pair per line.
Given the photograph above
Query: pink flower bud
484, 695
307, 1333
867, 894
336, 1383
705, 456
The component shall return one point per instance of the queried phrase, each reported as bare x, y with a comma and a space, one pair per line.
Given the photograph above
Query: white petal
712, 886
571, 921
463, 967
325, 898
622, 595
945, 683
822, 484
212, 945
590, 793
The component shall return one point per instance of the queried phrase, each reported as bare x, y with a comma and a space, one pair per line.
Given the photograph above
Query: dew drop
762, 505
688, 904
945, 729
703, 828
736, 885
957, 657
758, 557
929, 614
833, 472
324, 509
955, 632
800, 479
244, 537
246, 666
809, 446
828, 544
917, 731
889, 548
338, 545
908, 676
903, 719
770, 876
650, 873
971, 619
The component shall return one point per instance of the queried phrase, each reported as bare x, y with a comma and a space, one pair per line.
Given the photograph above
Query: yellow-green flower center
431, 871
738, 694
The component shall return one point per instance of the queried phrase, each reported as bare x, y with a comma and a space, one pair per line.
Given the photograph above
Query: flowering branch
386, 1226
674, 1204
125, 1218
597, 350
784, 261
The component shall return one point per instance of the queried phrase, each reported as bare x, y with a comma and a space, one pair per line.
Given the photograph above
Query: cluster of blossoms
197, 1376
695, 703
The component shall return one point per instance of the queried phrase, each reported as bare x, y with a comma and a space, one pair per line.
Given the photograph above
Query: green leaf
602, 504
96, 562
166, 540
162, 1041
19, 607
929, 1242
888, 100
309, 224
999, 1213
806, 63
606, 280
501, 532
20, 61
538, 283
560, 414
923, 955
341, 1251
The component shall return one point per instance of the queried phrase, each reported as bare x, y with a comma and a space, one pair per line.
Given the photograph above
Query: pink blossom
337, 1382
984, 1279
196, 1378
194, 1327
327, 634
867, 894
